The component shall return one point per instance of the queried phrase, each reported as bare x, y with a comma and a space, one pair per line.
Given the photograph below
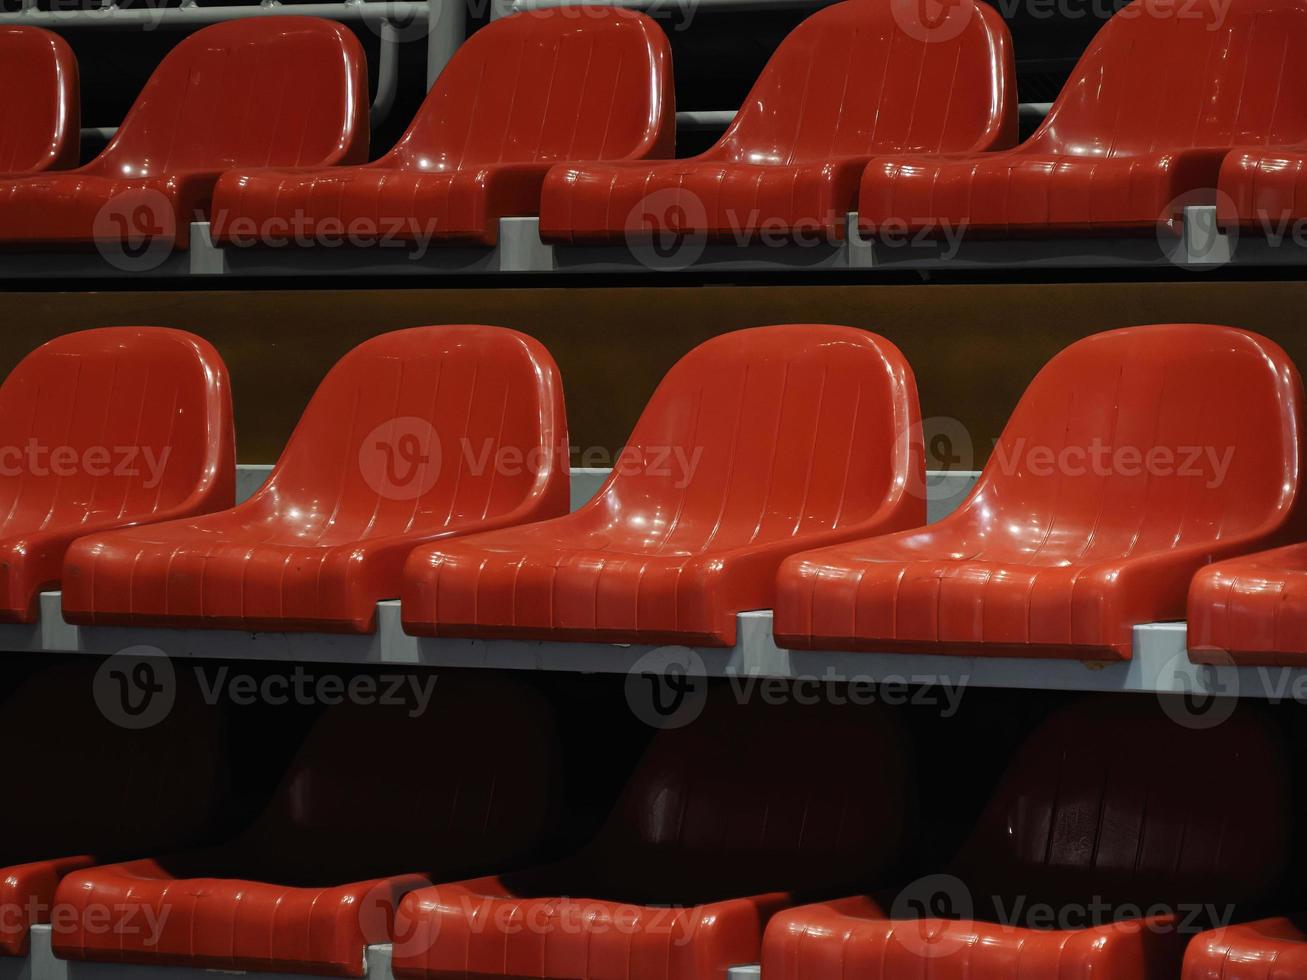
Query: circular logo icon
1205, 695
948, 448
135, 231
665, 229
398, 21
1188, 232
931, 20
667, 687
400, 459
136, 687
919, 909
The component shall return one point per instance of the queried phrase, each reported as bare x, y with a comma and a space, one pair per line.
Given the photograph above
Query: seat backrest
255, 92
116, 424
84, 780
756, 796
40, 109
1114, 798
559, 84
1146, 439
860, 78
1164, 76
450, 774
421, 429
769, 433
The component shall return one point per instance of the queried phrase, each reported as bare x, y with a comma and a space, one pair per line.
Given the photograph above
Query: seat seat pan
27, 894
79, 208
377, 203
1251, 610
723, 200
1262, 189
1026, 192
857, 937
930, 591
485, 928
1268, 949
224, 923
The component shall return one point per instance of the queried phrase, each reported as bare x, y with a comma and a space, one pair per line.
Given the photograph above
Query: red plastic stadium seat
852, 81
1269, 949
377, 800
524, 93
87, 788
759, 443
1102, 850
1128, 135
413, 436
721, 821
1251, 610
1263, 189
1134, 458
40, 114
106, 429
210, 106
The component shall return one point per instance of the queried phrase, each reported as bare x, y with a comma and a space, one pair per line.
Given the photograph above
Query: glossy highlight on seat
523, 93
1135, 458
1096, 857
208, 107
76, 748
1267, 949
1132, 138
106, 429
723, 819
854, 80
1251, 610
757, 444
380, 800
414, 436
1263, 190
40, 117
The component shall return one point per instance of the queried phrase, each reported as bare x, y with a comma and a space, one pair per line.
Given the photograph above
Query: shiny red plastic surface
1268, 949
1263, 189
105, 429
413, 436
524, 93
757, 444
854, 80
1134, 458
1129, 133
73, 751
40, 126
1089, 861
1251, 610
211, 105
721, 820
376, 802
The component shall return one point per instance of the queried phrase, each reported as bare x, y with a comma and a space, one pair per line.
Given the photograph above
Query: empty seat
413, 436
757, 444
1129, 135
84, 786
1268, 949
105, 429
522, 94
1251, 610
40, 113
1263, 189
377, 800
212, 104
1107, 844
849, 83
1134, 458
721, 822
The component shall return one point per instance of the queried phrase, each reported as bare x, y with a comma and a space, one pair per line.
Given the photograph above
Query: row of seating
563, 113
774, 468
725, 829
